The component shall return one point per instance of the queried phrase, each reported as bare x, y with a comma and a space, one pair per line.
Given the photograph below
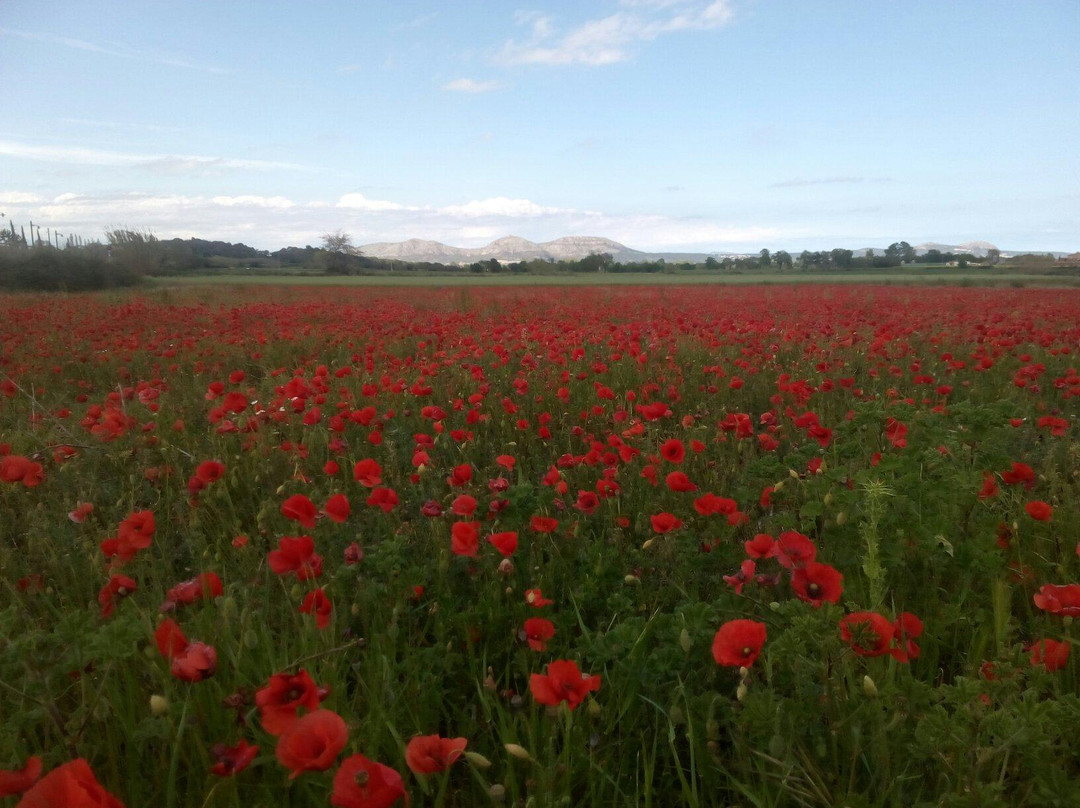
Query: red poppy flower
544, 524
232, 760
868, 633
711, 505
81, 512
169, 638
282, 697
354, 554
71, 785
738, 643
300, 509
562, 682
1039, 510
793, 549
906, 628
739, 579
1062, 600
134, 534
673, 451
665, 522
18, 469
428, 754
317, 603
761, 546
1020, 473
461, 475
209, 471
816, 583
205, 585
679, 482
337, 508
463, 505
119, 586
896, 433
384, 498
538, 631
296, 554
989, 488
464, 538
368, 473
506, 542
19, 780
536, 599
312, 743
1052, 654
587, 502
363, 783
196, 662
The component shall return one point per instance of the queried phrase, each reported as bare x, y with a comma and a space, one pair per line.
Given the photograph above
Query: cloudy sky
711, 125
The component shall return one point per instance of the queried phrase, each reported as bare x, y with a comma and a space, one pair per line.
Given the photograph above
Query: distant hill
511, 249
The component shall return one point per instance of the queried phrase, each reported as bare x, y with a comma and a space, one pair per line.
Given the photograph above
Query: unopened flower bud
741, 691
869, 688
159, 705
478, 760
684, 641
520, 752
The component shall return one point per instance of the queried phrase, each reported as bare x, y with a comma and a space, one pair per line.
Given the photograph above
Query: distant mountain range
513, 248
510, 249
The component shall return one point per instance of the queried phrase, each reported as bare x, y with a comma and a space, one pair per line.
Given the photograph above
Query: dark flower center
814, 589
747, 651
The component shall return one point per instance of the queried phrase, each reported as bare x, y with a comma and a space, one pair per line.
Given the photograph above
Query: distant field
918, 276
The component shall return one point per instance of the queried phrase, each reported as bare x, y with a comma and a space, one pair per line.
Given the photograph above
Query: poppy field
638, 546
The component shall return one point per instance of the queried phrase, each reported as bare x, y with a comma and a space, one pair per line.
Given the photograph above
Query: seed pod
520, 752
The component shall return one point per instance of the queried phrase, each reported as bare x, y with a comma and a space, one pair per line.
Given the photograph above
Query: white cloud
471, 86
611, 39
501, 206
18, 198
168, 164
118, 51
274, 221
361, 202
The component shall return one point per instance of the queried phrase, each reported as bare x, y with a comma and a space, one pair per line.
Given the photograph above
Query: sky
700, 125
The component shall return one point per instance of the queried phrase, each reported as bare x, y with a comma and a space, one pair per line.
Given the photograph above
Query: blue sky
707, 125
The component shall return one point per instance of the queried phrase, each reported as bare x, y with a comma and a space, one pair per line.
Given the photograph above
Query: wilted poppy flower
506, 542
318, 604
989, 488
872, 635
312, 743
907, 628
428, 754
71, 785
300, 509
119, 586
19, 780
738, 643
1039, 510
538, 631
282, 697
232, 760
1052, 654
363, 783
563, 681
354, 554
739, 579
665, 522
81, 512
296, 554
816, 583
1062, 600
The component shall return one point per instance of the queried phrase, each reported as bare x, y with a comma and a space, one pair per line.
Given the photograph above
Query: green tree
765, 260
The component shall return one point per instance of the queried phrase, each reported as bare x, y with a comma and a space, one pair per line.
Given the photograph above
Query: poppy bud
841, 518
743, 673
594, 708
869, 688
497, 792
780, 485
478, 760
632, 579
159, 705
520, 752
741, 691
648, 543
822, 468
509, 590
712, 729
355, 610
281, 489
676, 715
506, 567
684, 641
793, 474
828, 498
